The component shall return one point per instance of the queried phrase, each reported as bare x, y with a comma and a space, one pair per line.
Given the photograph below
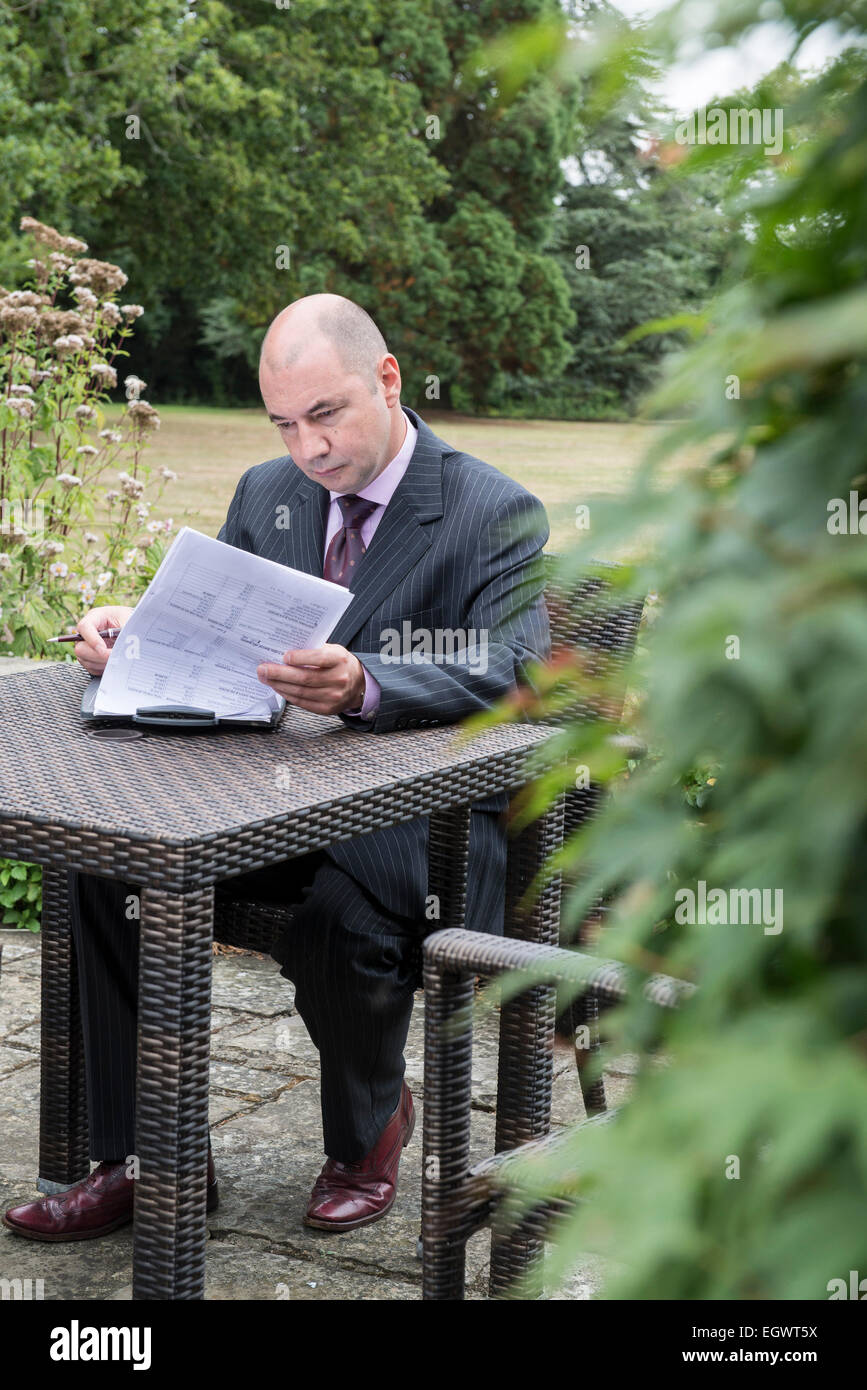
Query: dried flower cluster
61, 339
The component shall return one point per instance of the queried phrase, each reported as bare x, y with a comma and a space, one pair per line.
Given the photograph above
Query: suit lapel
398, 542
304, 538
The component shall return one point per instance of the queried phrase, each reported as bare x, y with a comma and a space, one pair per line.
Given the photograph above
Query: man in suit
438, 548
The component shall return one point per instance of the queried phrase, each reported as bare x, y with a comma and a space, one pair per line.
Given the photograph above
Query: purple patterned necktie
347, 547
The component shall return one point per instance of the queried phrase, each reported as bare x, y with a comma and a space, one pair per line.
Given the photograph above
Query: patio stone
246, 983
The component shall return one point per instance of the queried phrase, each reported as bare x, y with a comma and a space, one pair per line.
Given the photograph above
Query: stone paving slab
267, 1141
254, 985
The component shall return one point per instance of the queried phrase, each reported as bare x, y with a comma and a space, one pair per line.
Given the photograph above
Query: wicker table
177, 813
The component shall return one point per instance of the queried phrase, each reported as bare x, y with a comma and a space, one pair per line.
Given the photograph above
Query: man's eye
324, 414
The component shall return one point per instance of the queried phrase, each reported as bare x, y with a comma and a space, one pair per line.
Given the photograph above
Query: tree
235, 157
636, 243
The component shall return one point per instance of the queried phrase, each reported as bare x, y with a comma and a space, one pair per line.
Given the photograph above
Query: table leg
174, 1020
63, 1141
526, 1057
448, 864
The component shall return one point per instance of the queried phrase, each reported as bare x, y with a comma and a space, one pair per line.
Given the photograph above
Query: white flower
153, 525
168, 474
106, 371
133, 386
70, 342
110, 313
68, 481
143, 415
20, 389
84, 296
16, 318
59, 570
84, 585
129, 557
43, 375
111, 497
132, 311
167, 525
5, 561
87, 449
113, 436
90, 538
102, 579
131, 487
142, 510
84, 412
21, 405
53, 548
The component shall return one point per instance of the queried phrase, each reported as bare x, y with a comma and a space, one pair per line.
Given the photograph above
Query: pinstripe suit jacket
458, 546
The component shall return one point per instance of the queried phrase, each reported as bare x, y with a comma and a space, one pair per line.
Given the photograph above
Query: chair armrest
459, 951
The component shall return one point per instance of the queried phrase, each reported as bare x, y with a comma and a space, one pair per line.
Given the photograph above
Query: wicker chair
587, 616
457, 1199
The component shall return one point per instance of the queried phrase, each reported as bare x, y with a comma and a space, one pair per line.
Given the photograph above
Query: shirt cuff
370, 703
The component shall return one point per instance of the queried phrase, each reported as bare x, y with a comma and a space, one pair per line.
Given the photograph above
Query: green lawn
563, 462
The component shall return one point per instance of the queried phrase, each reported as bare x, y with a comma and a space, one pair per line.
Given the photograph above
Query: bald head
342, 323
332, 388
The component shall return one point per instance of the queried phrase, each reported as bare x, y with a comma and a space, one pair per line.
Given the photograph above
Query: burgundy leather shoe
346, 1195
92, 1207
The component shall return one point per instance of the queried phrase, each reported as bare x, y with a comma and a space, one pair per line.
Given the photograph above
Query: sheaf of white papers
210, 615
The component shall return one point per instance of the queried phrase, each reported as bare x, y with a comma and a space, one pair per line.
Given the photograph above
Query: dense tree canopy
233, 157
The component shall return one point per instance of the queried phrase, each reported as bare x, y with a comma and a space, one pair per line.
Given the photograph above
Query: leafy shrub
66, 536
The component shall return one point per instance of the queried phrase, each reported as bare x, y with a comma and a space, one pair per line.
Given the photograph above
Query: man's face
335, 429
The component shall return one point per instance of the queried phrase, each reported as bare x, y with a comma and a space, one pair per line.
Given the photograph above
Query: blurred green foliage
739, 1168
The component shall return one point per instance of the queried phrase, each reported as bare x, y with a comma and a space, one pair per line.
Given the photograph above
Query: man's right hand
92, 651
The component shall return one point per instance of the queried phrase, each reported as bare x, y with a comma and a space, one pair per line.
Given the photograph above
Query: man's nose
312, 443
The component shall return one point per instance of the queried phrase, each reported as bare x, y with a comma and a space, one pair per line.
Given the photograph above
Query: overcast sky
704, 75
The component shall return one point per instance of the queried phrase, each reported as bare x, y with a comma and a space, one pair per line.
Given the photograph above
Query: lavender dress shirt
379, 491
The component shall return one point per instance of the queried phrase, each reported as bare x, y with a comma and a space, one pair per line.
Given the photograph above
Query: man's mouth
323, 472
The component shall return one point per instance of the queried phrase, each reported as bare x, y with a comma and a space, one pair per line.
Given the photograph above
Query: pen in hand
77, 637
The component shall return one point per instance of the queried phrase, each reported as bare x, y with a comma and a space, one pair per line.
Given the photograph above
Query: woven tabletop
181, 810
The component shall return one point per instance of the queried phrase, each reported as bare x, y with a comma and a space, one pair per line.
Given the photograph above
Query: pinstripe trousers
354, 964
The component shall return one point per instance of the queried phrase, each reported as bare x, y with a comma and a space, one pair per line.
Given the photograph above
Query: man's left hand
325, 680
